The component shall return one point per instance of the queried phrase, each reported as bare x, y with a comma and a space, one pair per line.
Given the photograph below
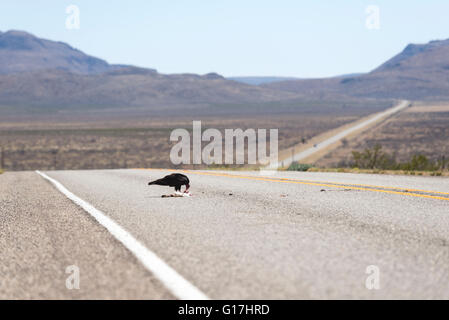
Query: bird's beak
187, 188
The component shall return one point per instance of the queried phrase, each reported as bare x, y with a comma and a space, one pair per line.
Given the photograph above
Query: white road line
172, 280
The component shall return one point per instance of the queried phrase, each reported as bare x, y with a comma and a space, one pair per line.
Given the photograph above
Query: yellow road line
314, 183
374, 186
345, 184
357, 185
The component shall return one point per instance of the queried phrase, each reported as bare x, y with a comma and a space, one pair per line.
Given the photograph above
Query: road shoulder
42, 233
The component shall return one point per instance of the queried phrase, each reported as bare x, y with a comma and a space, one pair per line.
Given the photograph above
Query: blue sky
236, 37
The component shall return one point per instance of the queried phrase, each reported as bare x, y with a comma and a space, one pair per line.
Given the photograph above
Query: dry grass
125, 139
428, 108
82, 148
126, 144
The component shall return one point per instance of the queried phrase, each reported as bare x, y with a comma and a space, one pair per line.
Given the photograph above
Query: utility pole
2, 159
55, 158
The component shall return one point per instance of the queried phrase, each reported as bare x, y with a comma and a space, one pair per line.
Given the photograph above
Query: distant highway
240, 236
358, 126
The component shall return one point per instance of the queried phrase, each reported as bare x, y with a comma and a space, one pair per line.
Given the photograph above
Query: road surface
240, 236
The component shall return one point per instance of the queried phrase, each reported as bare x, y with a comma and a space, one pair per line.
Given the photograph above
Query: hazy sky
236, 37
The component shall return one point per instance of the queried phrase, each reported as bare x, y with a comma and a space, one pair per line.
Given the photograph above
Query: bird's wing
172, 180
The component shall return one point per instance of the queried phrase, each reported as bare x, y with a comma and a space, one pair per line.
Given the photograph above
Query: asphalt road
240, 236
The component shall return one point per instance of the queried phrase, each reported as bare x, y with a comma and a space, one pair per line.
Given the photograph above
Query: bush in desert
295, 166
373, 158
418, 163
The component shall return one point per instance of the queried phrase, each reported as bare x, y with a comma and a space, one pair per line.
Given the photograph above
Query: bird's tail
157, 182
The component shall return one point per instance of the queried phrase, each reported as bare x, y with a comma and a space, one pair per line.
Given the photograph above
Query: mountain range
42, 73
419, 72
260, 80
254, 80
37, 73
23, 52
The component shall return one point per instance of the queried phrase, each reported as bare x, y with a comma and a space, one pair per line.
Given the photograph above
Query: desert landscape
224, 155
75, 111
134, 143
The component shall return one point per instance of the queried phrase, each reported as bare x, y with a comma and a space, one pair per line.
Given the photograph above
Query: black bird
173, 180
